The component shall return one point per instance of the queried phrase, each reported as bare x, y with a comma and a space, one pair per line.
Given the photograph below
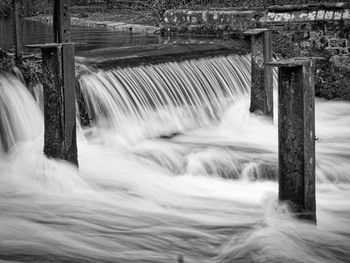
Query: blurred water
164, 99
200, 185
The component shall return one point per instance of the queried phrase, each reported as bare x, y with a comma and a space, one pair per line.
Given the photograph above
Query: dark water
89, 38
93, 38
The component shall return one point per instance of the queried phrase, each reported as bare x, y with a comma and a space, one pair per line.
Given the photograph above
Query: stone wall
312, 28
335, 17
213, 22
317, 30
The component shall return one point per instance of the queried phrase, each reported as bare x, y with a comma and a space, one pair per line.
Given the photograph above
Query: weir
174, 166
109, 58
173, 163
182, 94
165, 99
161, 197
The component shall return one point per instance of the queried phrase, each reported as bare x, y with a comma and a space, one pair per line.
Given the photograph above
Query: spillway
172, 166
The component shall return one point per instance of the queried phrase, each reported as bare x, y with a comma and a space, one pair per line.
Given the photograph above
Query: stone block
278, 17
286, 17
270, 17
205, 16
337, 43
337, 15
312, 15
346, 14
303, 15
329, 15
194, 20
333, 51
340, 61
320, 14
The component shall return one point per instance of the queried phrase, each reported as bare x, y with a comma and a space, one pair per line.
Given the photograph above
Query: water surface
174, 165
92, 38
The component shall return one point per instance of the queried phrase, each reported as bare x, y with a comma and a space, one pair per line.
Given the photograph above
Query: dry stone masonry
213, 22
318, 29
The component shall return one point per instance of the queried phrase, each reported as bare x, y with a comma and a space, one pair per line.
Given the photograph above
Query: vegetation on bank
148, 12
32, 7
30, 68
27, 7
331, 80
332, 83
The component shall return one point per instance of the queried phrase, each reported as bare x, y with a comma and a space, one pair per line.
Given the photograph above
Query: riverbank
29, 71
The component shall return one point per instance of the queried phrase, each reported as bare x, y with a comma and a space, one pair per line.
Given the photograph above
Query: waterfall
160, 100
20, 118
142, 194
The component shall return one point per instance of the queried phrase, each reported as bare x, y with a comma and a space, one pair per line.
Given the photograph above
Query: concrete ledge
325, 6
155, 54
292, 62
307, 13
221, 22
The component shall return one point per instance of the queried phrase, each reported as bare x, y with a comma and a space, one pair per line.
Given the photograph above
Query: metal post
61, 21
262, 77
296, 135
17, 33
59, 101
59, 89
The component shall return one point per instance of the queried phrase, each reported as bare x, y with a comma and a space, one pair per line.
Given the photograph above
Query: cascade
174, 165
167, 98
20, 118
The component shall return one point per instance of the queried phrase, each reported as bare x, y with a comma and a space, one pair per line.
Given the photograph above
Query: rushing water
173, 166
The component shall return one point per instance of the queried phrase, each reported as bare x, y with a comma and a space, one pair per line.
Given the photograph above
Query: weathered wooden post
261, 98
17, 33
59, 89
296, 135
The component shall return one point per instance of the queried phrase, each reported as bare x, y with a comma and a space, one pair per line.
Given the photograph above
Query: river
174, 167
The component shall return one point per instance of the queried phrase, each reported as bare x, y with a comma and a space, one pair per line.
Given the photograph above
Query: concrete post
296, 135
17, 33
59, 101
262, 76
